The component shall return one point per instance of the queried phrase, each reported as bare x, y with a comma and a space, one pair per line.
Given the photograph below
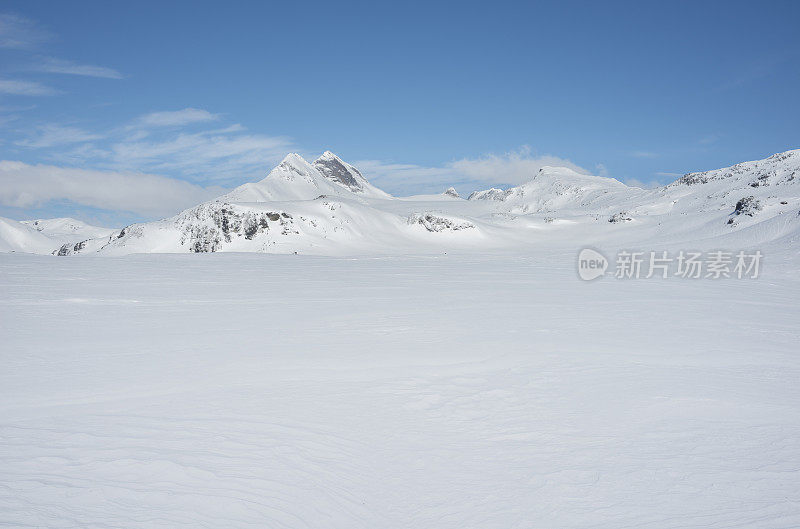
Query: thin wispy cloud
25, 88
53, 65
513, 167
176, 118
643, 154
21, 36
20, 33
400, 179
201, 156
26, 186
469, 174
167, 143
53, 135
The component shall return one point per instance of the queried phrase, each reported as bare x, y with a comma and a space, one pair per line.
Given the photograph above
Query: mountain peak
294, 160
328, 155
451, 192
333, 168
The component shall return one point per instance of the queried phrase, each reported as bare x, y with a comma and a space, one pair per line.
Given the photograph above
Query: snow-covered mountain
68, 229
296, 179
335, 169
329, 207
749, 202
560, 189
46, 235
18, 237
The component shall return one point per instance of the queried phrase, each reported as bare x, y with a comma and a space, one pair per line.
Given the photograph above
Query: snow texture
244, 390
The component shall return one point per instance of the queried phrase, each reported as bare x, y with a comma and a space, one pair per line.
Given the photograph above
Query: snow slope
67, 229
18, 237
482, 391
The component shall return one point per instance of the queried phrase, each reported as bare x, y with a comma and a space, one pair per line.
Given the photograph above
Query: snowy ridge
327, 207
778, 169
67, 229
335, 169
18, 237
296, 179
560, 188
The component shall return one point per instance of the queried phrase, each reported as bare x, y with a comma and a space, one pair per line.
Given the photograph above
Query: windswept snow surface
494, 390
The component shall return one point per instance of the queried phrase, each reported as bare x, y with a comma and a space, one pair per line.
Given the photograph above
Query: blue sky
163, 104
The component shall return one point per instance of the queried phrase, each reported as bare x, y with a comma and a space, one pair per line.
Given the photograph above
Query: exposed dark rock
435, 223
747, 206
204, 239
332, 168
622, 216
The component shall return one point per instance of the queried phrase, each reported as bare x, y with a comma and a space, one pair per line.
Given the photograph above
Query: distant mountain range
328, 207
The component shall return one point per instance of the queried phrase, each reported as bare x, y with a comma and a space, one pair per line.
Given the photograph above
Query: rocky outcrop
435, 223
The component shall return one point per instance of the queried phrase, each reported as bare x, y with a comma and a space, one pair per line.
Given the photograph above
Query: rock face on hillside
437, 223
333, 168
296, 179
622, 216
451, 192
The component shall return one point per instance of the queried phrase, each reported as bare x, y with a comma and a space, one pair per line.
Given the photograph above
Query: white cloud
25, 186
52, 135
20, 33
511, 168
149, 144
25, 88
206, 154
52, 65
176, 118
404, 178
